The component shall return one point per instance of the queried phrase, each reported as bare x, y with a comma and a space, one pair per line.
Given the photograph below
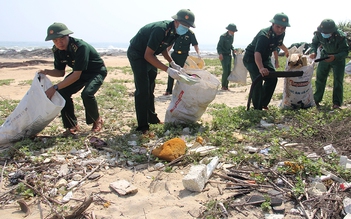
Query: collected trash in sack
297, 60
189, 102
189, 79
193, 62
33, 113
298, 93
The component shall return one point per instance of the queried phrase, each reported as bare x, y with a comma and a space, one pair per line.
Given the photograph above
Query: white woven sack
298, 92
33, 113
239, 72
348, 68
189, 102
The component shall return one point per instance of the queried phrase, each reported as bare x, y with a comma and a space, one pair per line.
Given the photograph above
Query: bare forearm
53, 72
157, 63
258, 60
196, 47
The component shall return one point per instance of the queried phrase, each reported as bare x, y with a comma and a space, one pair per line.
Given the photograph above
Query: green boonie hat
232, 27
327, 26
185, 17
281, 19
57, 30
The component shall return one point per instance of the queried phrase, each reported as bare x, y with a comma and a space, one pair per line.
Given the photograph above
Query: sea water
205, 49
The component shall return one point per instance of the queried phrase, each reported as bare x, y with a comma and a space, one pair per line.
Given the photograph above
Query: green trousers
323, 70
144, 80
179, 59
226, 69
263, 91
91, 84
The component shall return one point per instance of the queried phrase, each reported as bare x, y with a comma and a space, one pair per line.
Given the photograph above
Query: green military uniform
265, 42
335, 45
80, 56
180, 53
158, 36
225, 47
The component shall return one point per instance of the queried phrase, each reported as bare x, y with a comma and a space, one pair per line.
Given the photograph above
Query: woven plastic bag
189, 102
239, 72
298, 92
348, 68
33, 113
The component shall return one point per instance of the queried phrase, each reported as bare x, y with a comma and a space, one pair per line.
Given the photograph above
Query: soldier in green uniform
333, 45
257, 59
88, 72
180, 53
151, 40
225, 50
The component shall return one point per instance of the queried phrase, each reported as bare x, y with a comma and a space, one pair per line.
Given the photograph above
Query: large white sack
189, 102
298, 91
239, 71
33, 113
348, 68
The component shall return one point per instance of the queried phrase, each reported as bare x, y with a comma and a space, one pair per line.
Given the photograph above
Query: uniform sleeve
156, 37
220, 45
343, 48
315, 44
193, 39
261, 44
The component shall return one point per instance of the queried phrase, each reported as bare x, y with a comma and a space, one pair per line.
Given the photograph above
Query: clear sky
119, 20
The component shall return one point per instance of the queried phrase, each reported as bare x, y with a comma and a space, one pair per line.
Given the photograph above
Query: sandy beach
237, 96
161, 198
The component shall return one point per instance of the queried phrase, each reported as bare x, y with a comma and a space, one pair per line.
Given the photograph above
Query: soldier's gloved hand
175, 66
173, 73
198, 55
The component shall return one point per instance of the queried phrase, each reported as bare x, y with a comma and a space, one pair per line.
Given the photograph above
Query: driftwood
24, 207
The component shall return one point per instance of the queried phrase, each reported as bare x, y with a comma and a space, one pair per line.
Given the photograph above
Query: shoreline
43, 53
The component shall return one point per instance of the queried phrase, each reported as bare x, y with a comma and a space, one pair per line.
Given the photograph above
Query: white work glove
175, 66
198, 55
173, 73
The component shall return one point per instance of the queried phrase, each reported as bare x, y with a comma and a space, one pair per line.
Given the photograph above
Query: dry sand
161, 198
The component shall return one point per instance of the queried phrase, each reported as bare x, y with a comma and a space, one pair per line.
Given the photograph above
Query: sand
160, 194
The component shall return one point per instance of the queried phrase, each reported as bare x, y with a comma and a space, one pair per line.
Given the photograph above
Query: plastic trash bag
348, 68
33, 113
239, 72
298, 92
189, 102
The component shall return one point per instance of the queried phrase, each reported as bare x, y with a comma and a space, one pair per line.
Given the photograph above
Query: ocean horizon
101, 47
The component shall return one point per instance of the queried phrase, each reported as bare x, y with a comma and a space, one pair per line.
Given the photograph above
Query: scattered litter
123, 187
203, 150
67, 197
97, 142
329, 149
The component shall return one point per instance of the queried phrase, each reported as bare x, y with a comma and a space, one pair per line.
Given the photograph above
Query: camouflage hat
280, 19
185, 17
327, 26
232, 27
57, 30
